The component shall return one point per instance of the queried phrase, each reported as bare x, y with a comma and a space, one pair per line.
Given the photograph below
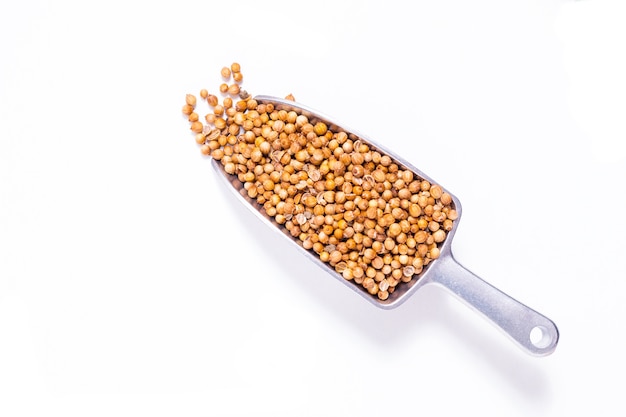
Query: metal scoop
532, 331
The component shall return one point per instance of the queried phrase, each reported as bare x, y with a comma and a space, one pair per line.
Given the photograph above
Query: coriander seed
212, 100
190, 99
233, 89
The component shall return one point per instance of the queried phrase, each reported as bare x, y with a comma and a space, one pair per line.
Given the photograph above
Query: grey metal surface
533, 332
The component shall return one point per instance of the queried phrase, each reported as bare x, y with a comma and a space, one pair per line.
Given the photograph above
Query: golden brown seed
369, 254
358, 274
241, 105
335, 256
404, 194
235, 67
415, 210
238, 77
438, 216
373, 289
217, 154
369, 282
205, 150
378, 262
379, 176
439, 236
418, 264
229, 168
446, 199
197, 127
348, 274
212, 100
187, 109
408, 271
233, 89
320, 128
433, 226
436, 191
394, 230
219, 123
190, 99
341, 266
201, 138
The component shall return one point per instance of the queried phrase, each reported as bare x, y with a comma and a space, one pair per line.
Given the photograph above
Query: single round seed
233, 89
190, 99
212, 100
445, 199
436, 191
433, 226
320, 128
378, 262
229, 168
187, 109
335, 256
408, 271
439, 236
197, 127
348, 274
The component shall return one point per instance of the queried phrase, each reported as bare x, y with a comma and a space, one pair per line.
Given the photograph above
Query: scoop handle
532, 331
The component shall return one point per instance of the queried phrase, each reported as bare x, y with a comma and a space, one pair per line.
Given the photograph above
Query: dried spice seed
190, 99
233, 89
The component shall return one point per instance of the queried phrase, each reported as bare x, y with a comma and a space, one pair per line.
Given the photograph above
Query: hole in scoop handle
532, 331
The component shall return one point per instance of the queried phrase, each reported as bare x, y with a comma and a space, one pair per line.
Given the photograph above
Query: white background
132, 283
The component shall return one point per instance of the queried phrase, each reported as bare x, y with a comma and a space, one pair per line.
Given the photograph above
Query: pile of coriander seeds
373, 221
